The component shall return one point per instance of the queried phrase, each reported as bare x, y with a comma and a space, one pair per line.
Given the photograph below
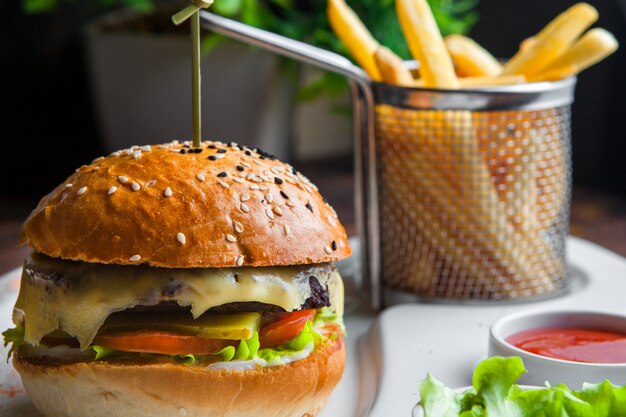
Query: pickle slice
233, 326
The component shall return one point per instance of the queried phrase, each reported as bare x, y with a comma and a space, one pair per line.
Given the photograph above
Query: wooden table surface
596, 216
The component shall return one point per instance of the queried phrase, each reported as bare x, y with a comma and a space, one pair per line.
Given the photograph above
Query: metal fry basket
460, 194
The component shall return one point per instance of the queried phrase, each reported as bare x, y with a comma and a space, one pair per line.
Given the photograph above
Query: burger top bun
175, 206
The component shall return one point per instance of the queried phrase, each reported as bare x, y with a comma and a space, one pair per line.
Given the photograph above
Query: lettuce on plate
495, 394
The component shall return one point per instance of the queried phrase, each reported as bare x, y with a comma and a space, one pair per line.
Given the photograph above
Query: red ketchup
571, 344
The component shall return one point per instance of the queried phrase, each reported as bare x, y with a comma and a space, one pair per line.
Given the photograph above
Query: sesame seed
68, 185
258, 180
122, 179
308, 205
269, 213
81, 190
289, 203
212, 158
270, 198
174, 150
134, 258
285, 196
116, 153
247, 165
258, 162
238, 227
221, 151
254, 187
245, 197
240, 168
264, 188
276, 170
290, 181
248, 153
167, 192
334, 245
239, 180
222, 174
146, 148
201, 177
164, 146
197, 150
219, 156
181, 238
278, 210
278, 180
250, 176
328, 250
112, 190
151, 183
287, 229
243, 207
223, 184
211, 146
240, 260
231, 238
135, 186
137, 154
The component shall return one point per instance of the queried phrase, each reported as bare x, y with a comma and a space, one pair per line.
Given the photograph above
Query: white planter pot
319, 130
142, 91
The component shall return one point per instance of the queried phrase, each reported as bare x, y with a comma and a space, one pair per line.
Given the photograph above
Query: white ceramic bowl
556, 371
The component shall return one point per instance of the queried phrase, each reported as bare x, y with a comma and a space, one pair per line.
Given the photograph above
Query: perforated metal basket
460, 194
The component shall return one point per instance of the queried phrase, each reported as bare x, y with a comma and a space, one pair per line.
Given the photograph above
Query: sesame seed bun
104, 389
173, 206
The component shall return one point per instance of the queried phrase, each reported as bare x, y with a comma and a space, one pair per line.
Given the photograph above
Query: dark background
49, 127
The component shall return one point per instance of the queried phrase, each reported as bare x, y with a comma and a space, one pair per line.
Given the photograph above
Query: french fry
392, 69
526, 43
353, 33
555, 74
552, 41
470, 59
590, 49
426, 44
474, 82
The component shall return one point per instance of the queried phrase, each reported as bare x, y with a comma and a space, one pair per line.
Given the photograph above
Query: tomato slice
162, 342
285, 328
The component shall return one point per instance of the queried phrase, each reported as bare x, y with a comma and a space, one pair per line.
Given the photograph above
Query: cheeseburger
178, 281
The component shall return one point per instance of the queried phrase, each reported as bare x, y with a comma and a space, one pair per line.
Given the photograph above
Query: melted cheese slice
78, 297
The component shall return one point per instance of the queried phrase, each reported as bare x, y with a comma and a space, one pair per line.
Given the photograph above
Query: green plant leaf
39, 6
228, 8
210, 42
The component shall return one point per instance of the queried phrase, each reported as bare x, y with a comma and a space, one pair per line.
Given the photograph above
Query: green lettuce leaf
306, 337
492, 381
14, 336
496, 395
438, 400
103, 352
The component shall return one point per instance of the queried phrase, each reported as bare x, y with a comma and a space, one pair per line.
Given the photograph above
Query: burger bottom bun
106, 389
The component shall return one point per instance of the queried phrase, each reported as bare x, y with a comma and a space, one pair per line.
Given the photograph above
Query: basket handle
365, 146
284, 46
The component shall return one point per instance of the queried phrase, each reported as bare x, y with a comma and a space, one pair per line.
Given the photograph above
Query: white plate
448, 340
405, 342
